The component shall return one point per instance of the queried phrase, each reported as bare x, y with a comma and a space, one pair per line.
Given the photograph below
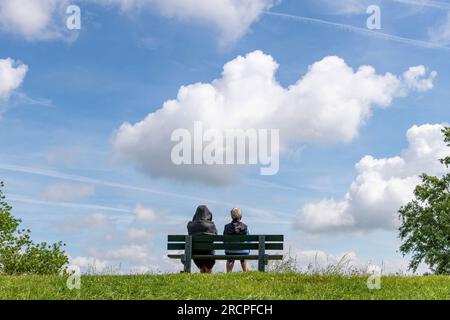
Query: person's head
202, 214
236, 214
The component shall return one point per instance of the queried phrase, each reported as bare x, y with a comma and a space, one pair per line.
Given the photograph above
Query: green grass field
225, 286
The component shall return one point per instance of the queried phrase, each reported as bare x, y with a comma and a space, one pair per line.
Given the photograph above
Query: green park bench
259, 243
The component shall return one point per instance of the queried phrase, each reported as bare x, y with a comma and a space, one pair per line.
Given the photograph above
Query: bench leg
186, 268
262, 254
188, 254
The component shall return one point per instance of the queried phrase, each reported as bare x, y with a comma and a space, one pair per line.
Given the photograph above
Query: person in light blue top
236, 227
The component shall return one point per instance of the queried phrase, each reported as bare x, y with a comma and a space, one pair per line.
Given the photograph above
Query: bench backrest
233, 242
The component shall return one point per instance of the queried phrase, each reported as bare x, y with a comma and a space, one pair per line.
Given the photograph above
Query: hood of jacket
202, 223
202, 214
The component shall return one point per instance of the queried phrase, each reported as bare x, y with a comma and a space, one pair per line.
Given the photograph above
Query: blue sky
58, 127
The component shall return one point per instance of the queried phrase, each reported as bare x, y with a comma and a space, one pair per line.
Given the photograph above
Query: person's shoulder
244, 228
228, 228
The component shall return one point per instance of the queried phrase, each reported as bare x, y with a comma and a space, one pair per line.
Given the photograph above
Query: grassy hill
225, 286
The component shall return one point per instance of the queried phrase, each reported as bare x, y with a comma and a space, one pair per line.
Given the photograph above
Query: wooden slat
227, 257
219, 238
225, 246
176, 238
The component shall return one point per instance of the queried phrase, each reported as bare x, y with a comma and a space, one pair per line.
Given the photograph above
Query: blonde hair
236, 214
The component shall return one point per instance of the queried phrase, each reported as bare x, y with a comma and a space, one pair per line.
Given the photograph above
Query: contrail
363, 31
18, 198
83, 179
265, 184
76, 178
172, 219
426, 3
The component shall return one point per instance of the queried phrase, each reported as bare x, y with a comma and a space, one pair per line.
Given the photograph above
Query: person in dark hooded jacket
202, 224
236, 227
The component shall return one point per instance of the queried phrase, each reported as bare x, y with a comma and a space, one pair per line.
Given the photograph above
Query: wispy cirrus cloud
426, 3
359, 6
28, 200
441, 32
362, 31
67, 191
346, 7
262, 215
90, 222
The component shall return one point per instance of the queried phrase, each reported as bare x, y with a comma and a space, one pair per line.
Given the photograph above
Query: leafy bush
425, 229
19, 254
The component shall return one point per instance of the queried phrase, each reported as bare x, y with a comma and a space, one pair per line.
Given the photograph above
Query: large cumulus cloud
328, 104
381, 187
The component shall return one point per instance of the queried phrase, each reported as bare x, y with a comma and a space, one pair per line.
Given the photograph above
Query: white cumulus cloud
90, 264
138, 234
12, 75
327, 104
33, 19
381, 187
143, 214
232, 18
416, 78
131, 253
46, 19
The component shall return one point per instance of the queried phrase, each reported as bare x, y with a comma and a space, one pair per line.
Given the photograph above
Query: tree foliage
425, 229
446, 132
19, 254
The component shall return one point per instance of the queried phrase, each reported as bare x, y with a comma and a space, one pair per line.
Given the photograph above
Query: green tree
19, 254
446, 132
425, 229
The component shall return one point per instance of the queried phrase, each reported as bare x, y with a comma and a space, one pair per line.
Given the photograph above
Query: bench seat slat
220, 238
225, 246
227, 257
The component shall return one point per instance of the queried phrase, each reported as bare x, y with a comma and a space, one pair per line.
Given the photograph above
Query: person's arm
187, 227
